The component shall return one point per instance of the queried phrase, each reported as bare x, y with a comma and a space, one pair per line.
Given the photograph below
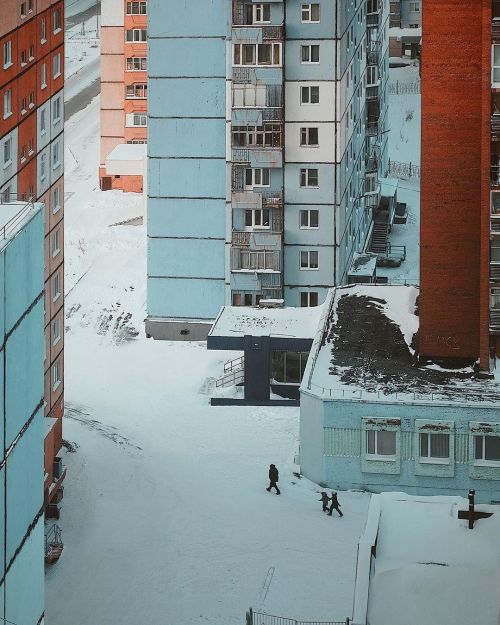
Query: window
434, 446
257, 218
43, 30
7, 54
43, 166
43, 76
249, 95
258, 13
268, 135
30, 6
310, 12
415, 7
30, 147
139, 119
308, 299
495, 251
137, 90
257, 54
54, 243
288, 367
309, 260
31, 53
43, 121
309, 218
6, 195
32, 99
56, 65
371, 183
372, 6
136, 34
56, 20
258, 177
137, 8
7, 152
23, 9
56, 155
56, 287
137, 141
56, 200
308, 177
56, 374
487, 449
24, 58
309, 136
56, 331
371, 75
380, 443
22, 154
56, 110
24, 104
7, 103
309, 54
309, 95
137, 64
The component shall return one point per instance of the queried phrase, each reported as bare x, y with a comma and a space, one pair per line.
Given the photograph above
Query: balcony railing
495, 127
372, 128
494, 272
495, 224
495, 29
495, 320
243, 75
373, 52
372, 92
273, 33
240, 155
272, 199
373, 19
495, 175
371, 165
255, 260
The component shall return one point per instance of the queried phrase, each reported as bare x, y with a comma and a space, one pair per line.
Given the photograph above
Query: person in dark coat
325, 499
273, 479
335, 504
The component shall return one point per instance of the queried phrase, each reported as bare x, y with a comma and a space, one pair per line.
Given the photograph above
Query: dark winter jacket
334, 500
273, 473
324, 498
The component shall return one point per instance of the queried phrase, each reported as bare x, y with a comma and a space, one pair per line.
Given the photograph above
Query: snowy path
166, 520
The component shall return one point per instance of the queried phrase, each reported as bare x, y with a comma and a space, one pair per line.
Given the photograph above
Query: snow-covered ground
82, 46
165, 517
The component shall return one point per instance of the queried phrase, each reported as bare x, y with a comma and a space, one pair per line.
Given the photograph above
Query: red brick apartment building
124, 84
460, 192
32, 160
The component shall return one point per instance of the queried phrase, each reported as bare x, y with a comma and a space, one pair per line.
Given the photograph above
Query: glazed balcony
372, 92
255, 260
371, 165
372, 128
373, 19
495, 272
495, 224
373, 52
247, 13
495, 127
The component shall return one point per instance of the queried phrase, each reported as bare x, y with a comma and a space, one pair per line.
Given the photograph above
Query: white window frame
256, 48
43, 166
141, 4
307, 297
43, 121
56, 287
56, 331
7, 151
43, 76
306, 13
7, 54
495, 68
483, 462
56, 155
140, 61
257, 175
305, 137
56, 21
56, 199
7, 103
305, 175
428, 458
414, 7
309, 47
308, 256
307, 212
138, 118
136, 35
54, 243
136, 91
258, 10
258, 216
56, 110
306, 95
56, 374
376, 455
371, 76
43, 30
56, 65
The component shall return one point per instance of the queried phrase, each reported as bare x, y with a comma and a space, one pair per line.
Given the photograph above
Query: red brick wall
455, 119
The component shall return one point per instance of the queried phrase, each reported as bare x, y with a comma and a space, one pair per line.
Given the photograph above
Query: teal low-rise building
372, 418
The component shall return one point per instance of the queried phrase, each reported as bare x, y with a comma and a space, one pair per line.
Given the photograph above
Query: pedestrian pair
335, 505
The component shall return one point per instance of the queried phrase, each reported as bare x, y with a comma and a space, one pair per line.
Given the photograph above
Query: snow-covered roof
388, 187
430, 568
128, 152
13, 216
405, 32
364, 350
301, 323
363, 264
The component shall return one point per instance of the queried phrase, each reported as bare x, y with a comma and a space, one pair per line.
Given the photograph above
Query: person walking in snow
273, 479
335, 504
325, 499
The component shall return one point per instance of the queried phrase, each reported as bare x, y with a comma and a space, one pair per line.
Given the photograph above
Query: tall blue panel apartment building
267, 138
21, 409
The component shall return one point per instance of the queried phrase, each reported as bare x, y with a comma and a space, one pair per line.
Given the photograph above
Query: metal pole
471, 494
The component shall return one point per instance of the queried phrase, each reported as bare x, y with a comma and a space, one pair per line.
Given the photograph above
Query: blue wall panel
190, 138
182, 18
185, 218
197, 178
207, 58
179, 298
185, 97
192, 258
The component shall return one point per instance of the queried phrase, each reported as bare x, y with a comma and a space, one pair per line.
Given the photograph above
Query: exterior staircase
379, 237
234, 373
53, 545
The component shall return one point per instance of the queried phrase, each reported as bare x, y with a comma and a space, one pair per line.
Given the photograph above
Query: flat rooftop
13, 216
430, 568
289, 322
365, 348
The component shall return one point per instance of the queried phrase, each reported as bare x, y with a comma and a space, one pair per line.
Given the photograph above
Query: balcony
246, 14
495, 127
372, 128
495, 29
494, 272
495, 175
255, 260
373, 52
495, 320
373, 20
371, 165
372, 92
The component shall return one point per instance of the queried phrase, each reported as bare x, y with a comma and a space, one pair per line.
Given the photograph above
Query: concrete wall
333, 447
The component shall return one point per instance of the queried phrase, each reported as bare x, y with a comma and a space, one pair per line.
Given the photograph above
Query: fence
404, 88
261, 618
405, 171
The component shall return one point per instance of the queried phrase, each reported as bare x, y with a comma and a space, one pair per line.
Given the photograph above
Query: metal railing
495, 29
404, 88
53, 541
495, 272
372, 129
495, 224
240, 155
372, 19
373, 52
231, 378
495, 319
261, 618
404, 171
273, 33
237, 364
272, 199
14, 222
372, 92
394, 252
242, 75
495, 124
